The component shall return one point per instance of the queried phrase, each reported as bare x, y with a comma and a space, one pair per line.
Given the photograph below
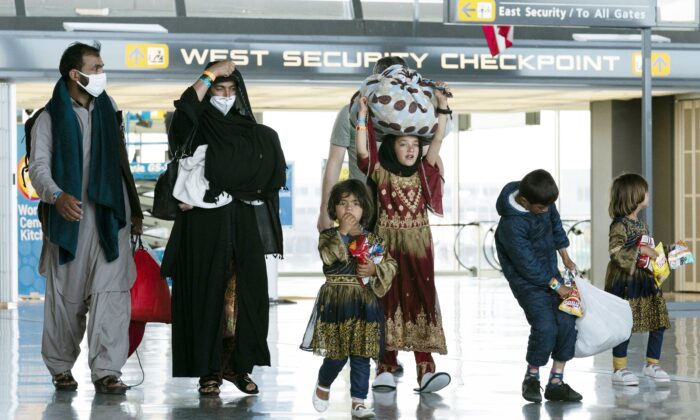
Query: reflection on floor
486, 333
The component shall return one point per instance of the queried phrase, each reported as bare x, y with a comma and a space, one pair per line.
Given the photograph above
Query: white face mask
223, 103
96, 83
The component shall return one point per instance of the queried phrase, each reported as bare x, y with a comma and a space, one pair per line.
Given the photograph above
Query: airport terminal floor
486, 336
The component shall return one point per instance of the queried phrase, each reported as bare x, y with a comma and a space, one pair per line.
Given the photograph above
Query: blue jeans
656, 339
359, 374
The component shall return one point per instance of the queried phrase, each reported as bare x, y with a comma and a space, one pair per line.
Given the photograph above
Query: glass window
289, 9
307, 151
500, 148
677, 11
112, 8
7, 7
402, 10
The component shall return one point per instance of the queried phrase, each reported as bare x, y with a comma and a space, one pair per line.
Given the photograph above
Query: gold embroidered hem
649, 314
414, 242
408, 221
421, 335
354, 337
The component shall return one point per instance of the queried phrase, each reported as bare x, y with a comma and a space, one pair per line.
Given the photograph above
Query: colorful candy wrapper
680, 255
644, 261
660, 265
360, 249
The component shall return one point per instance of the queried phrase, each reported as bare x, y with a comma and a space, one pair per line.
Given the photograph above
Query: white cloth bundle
191, 183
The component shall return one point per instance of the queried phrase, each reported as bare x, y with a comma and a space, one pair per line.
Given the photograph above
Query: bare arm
336, 155
222, 68
361, 136
433, 154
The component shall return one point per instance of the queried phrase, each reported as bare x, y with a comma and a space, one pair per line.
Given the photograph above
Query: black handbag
165, 206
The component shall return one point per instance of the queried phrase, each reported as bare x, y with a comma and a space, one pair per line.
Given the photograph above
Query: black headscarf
234, 142
390, 162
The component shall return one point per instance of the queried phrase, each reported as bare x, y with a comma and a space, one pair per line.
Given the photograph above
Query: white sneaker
362, 412
433, 382
656, 373
319, 404
624, 377
384, 382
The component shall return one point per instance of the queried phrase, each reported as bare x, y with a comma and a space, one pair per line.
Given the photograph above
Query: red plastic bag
150, 295
136, 330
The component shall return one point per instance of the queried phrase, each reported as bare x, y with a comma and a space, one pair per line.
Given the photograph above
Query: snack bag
660, 266
572, 303
644, 261
680, 255
359, 248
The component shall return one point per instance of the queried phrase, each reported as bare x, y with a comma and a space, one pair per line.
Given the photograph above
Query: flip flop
433, 382
384, 382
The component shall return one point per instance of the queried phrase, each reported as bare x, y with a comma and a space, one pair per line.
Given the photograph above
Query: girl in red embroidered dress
407, 186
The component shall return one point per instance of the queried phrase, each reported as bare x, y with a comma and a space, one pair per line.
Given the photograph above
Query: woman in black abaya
216, 257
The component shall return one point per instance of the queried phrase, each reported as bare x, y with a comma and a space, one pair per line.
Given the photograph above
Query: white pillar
8, 196
601, 176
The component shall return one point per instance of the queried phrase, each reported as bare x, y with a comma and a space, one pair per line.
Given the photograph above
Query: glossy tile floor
486, 333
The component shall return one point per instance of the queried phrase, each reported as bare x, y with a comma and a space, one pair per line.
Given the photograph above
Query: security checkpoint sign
572, 13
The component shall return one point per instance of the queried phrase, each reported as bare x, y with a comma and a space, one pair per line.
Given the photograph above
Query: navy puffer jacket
527, 243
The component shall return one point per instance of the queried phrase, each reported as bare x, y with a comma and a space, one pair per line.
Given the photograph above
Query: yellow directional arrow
147, 56
476, 10
660, 64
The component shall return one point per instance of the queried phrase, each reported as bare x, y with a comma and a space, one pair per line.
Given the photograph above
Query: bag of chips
644, 261
572, 303
680, 255
660, 265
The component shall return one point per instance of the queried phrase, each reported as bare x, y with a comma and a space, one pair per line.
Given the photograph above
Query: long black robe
206, 243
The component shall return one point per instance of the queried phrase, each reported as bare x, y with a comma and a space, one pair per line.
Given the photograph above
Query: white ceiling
133, 96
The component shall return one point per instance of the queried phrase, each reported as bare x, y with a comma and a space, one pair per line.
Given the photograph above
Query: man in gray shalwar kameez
86, 255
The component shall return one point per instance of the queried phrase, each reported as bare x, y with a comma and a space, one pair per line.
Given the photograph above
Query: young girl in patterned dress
407, 186
626, 279
347, 320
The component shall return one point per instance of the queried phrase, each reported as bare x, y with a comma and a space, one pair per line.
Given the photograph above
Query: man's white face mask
96, 83
223, 103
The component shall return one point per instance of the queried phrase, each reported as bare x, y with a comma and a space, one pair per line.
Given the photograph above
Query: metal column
647, 170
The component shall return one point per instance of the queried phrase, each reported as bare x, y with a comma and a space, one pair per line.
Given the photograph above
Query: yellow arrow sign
147, 56
660, 64
476, 10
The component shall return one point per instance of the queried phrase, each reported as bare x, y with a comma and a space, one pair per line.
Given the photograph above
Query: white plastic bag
606, 320
191, 183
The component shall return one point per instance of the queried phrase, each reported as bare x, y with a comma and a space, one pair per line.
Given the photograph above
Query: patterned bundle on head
401, 102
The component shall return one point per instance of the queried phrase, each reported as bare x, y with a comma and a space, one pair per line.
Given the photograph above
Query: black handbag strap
186, 149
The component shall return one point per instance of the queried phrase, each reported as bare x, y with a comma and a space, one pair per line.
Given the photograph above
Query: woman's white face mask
223, 103
96, 83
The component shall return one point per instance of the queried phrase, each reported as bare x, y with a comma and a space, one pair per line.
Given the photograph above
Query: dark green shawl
105, 183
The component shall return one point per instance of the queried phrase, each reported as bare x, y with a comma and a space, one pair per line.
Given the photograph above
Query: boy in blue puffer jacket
528, 237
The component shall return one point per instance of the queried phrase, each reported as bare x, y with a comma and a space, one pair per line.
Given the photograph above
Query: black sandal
64, 381
242, 381
110, 385
210, 385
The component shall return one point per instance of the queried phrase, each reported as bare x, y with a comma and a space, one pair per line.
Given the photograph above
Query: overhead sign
584, 13
529, 62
